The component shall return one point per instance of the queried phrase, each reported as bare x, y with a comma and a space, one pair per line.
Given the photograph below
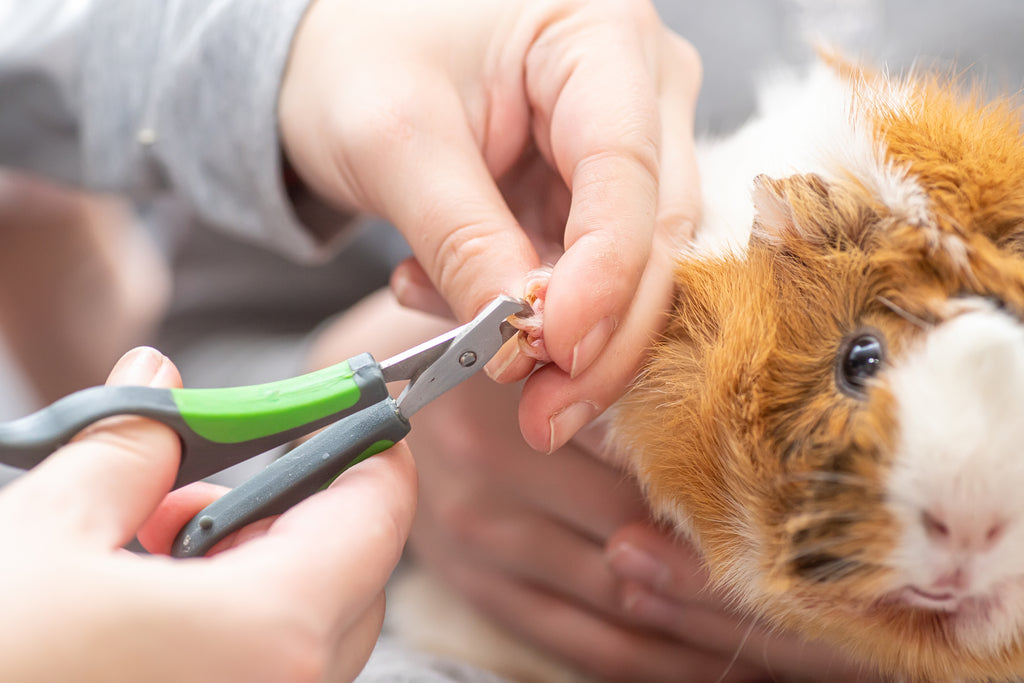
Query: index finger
596, 87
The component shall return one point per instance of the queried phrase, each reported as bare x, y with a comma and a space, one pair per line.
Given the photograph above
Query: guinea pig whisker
829, 558
824, 567
822, 486
847, 478
903, 313
820, 546
736, 654
825, 562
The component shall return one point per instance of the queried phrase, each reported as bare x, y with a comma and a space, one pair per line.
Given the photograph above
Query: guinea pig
834, 415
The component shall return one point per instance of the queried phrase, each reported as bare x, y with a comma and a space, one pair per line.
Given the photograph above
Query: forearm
79, 284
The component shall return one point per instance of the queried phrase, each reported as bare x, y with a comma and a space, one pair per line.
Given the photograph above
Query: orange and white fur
835, 413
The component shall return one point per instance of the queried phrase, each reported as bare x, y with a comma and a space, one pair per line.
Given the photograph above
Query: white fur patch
813, 124
960, 397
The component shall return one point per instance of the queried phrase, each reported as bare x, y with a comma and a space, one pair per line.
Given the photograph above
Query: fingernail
414, 292
401, 286
649, 608
568, 421
138, 367
633, 564
502, 361
588, 348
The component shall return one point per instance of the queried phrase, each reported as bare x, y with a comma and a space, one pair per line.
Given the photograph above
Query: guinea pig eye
860, 359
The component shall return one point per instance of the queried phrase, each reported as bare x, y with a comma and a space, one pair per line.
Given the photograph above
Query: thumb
100, 487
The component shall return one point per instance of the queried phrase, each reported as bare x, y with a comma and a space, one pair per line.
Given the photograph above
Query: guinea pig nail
631, 563
569, 420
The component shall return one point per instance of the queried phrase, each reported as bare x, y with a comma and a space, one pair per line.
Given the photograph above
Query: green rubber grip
239, 414
227, 426
218, 428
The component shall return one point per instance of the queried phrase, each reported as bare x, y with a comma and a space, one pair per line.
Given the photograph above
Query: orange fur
737, 426
968, 154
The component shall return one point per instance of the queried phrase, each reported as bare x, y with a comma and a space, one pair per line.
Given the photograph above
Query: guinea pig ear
789, 207
806, 208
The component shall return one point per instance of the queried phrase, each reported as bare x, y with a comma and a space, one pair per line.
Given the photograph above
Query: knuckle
475, 524
466, 450
457, 248
600, 172
463, 523
382, 120
685, 55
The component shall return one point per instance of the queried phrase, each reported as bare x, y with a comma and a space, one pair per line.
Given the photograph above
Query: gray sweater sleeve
155, 97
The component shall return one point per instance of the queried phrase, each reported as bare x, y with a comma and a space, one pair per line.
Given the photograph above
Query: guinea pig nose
974, 533
934, 527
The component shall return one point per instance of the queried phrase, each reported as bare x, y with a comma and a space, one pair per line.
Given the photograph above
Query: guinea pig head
835, 416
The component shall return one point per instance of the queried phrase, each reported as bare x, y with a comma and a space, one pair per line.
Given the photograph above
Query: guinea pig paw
531, 328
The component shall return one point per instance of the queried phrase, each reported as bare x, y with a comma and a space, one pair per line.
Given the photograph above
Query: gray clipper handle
295, 476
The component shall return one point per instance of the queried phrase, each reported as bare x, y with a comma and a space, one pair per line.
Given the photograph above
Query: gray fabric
174, 103
153, 97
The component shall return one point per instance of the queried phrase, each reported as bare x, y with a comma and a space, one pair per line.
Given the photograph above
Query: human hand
664, 587
541, 543
522, 535
495, 135
275, 604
